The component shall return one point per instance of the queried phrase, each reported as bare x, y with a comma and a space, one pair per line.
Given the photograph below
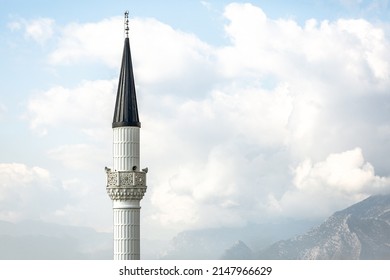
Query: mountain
239, 251
216, 243
37, 240
30, 240
361, 231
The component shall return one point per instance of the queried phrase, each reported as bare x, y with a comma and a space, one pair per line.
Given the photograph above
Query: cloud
80, 156
328, 67
219, 151
161, 55
181, 65
28, 192
284, 92
223, 126
346, 172
34, 193
337, 182
40, 30
323, 50
87, 107
85, 42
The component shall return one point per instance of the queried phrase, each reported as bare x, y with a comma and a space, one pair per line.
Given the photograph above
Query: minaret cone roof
126, 111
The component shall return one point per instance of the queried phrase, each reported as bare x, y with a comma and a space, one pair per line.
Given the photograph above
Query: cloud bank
24, 191
277, 121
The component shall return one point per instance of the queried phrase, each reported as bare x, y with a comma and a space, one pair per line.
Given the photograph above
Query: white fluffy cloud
159, 52
34, 193
89, 41
87, 107
80, 118
168, 63
285, 96
351, 53
222, 126
28, 192
338, 181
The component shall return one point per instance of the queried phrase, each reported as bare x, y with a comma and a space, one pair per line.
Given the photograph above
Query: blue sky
250, 110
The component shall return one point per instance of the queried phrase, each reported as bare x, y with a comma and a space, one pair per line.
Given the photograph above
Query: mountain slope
239, 251
361, 231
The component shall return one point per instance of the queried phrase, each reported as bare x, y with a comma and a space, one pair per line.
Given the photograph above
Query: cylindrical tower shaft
126, 150
126, 189
126, 230
126, 157
126, 183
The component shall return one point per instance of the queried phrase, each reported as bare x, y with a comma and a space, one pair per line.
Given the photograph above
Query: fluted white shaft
126, 230
126, 157
126, 151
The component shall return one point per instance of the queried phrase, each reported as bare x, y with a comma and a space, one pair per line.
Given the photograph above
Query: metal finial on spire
127, 24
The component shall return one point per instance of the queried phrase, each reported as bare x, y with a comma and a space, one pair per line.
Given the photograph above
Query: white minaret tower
126, 183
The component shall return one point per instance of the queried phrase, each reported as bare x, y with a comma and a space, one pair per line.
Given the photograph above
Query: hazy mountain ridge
239, 251
361, 231
38, 240
217, 243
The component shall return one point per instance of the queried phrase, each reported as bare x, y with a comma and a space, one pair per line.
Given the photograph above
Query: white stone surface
126, 148
126, 186
127, 233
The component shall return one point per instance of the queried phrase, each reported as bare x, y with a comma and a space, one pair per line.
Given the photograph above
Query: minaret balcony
126, 185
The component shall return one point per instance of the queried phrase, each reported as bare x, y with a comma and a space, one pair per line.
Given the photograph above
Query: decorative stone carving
126, 179
126, 193
139, 178
126, 185
112, 178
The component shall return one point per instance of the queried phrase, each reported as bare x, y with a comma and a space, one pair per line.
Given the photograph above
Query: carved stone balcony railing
126, 185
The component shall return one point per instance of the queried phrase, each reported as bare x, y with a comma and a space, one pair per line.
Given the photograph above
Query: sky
250, 111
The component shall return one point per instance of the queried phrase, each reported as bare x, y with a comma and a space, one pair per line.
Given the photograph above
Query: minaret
126, 183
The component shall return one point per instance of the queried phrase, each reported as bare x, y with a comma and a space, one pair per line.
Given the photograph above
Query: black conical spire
126, 110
